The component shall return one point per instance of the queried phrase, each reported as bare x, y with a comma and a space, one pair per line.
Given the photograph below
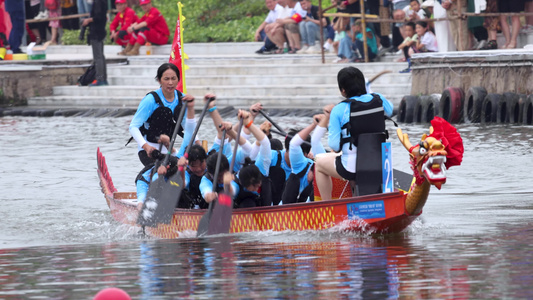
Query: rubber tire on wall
472, 105
431, 109
489, 109
451, 104
527, 111
514, 104
502, 116
417, 111
406, 110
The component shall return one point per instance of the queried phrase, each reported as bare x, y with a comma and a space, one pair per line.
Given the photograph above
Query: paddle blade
203, 225
161, 200
221, 218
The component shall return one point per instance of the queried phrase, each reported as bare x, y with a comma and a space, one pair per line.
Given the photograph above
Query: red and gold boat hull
380, 213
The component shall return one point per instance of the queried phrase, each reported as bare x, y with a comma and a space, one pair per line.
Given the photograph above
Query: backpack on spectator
88, 76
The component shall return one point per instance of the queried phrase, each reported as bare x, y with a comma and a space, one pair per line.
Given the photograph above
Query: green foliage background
205, 20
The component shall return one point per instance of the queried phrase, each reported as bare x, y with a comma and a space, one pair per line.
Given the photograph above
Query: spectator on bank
152, 28
357, 33
260, 34
310, 28
275, 32
3, 29
97, 32
37, 29
382, 30
511, 36
343, 40
492, 24
290, 25
458, 27
478, 33
54, 10
119, 26
408, 42
414, 11
427, 42
84, 7
68, 7
397, 36
427, 6
15, 9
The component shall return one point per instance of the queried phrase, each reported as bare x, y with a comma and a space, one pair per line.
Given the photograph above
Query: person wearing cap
152, 28
119, 26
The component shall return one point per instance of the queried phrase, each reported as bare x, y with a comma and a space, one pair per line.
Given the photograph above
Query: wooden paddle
221, 218
161, 197
402, 180
203, 225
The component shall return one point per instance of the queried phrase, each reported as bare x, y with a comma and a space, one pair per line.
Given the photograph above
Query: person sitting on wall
119, 26
152, 28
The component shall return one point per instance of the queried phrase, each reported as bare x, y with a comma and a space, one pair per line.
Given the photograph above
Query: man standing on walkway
96, 23
15, 9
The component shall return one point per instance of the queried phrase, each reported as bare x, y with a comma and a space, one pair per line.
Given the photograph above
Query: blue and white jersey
145, 109
340, 115
206, 186
298, 160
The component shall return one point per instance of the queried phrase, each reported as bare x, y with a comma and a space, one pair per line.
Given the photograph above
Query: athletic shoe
481, 44
408, 70
313, 49
383, 50
42, 15
99, 83
491, 45
303, 50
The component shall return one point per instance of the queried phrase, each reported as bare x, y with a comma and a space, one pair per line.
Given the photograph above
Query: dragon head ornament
434, 153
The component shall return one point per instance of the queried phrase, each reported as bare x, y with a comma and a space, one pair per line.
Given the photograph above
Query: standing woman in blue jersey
367, 112
158, 113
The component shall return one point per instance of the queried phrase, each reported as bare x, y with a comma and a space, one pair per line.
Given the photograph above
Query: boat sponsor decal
366, 210
386, 163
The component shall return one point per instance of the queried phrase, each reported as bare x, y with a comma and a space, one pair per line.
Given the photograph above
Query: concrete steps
232, 71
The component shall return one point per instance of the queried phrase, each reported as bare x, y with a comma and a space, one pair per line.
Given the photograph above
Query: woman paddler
158, 113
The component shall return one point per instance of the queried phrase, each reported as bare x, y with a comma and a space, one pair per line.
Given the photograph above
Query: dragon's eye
422, 149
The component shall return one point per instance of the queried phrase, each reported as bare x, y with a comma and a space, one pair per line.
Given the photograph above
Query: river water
59, 241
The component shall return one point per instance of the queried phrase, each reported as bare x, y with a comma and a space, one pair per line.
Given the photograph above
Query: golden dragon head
427, 158
435, 153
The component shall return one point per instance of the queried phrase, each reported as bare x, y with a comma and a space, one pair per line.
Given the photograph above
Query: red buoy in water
112, 294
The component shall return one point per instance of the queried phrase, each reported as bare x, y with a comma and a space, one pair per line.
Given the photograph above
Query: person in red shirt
152, 28
119, 26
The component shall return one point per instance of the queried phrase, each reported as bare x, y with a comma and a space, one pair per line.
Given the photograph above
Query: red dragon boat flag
177, 56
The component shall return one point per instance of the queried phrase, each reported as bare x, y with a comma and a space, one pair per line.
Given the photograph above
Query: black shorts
342, 171
507, 6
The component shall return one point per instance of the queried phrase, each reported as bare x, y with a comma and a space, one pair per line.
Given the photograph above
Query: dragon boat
378, 213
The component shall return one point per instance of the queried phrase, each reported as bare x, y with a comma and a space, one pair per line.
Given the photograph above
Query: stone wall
22, 82
496, 71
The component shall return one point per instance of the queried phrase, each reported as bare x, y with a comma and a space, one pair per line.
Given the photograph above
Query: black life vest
277, 180
192, 196
140, 175
365, 117
162, 121
291, 193
246, 198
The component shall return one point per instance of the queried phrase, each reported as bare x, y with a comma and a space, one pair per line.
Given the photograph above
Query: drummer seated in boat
224, 181
360, 113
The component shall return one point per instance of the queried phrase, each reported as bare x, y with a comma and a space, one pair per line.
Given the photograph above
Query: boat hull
380, 213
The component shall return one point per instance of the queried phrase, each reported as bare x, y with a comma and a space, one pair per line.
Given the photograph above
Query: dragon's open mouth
434, 170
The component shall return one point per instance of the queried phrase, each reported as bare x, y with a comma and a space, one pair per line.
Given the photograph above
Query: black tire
489, 109
419, 107
406, 109
472, 105
30, 113
451, 104
527, 111
514, 104
432, 108
508, 101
